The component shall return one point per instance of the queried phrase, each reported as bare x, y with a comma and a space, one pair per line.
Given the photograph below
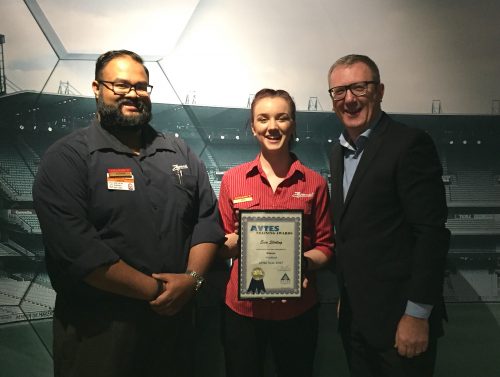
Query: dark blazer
390, 236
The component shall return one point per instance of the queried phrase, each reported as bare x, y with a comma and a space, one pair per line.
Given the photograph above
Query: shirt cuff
418, 310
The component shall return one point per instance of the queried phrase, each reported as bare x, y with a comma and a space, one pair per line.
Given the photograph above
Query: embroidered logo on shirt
242, 199
298, 194
177, 169
120, 179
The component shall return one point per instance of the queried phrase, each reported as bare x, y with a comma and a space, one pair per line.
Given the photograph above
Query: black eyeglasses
122, 88
358, 89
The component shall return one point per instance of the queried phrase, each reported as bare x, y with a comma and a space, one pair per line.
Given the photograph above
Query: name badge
242, 199
120, 179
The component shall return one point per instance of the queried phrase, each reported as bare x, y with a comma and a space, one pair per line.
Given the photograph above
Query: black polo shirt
151, 221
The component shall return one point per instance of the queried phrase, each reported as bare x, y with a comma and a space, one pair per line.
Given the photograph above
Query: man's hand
412, 336
232, 245
179, 288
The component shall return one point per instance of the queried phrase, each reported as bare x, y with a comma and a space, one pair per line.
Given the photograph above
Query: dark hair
110, 55
352, 59
264, 93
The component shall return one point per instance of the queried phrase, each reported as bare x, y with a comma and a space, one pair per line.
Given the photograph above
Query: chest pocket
250, 205
253, 204
307, 206
185, 195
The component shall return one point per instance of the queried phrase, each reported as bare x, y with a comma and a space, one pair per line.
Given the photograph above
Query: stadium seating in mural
222, 138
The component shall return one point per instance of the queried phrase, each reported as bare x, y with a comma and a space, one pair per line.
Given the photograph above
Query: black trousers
148, 345
292, 342
366, 361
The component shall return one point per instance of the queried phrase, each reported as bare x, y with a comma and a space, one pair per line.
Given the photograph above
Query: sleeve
60, 195
323, 237
422, 195
207, 227
226, 208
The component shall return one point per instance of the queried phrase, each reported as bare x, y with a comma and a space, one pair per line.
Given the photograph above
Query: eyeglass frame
348, 88
113, 83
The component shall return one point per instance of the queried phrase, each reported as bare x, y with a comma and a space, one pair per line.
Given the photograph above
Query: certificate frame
271, 251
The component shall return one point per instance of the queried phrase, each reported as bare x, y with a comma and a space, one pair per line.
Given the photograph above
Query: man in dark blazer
389, 212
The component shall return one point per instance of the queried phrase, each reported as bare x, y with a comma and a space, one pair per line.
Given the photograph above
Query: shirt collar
100, 139
360, 142
255, 167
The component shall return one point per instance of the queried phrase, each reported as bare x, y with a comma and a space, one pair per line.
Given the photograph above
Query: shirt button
155, 208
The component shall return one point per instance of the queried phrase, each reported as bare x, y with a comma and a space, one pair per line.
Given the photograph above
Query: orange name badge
120, 179
242, 199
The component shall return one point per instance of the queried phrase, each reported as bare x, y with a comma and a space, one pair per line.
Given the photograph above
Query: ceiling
220, 52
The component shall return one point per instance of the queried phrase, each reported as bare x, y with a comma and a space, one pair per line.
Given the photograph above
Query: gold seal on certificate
271, 254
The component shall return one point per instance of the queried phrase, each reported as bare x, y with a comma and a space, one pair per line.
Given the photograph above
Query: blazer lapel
337, 174
370, 151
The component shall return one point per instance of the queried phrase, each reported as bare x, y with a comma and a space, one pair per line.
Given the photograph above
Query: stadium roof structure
32, 108
55, 42
220, 52
222, 124
65, 58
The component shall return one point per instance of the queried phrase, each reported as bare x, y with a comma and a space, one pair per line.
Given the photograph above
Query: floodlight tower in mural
3, 85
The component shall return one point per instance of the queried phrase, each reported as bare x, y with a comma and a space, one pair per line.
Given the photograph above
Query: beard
111, 116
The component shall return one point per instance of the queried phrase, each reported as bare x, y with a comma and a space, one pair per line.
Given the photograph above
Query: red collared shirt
302, 189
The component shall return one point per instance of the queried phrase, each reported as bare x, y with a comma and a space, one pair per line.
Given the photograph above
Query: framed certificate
271, 254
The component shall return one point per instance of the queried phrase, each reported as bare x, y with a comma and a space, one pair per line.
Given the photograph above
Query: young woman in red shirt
275, 179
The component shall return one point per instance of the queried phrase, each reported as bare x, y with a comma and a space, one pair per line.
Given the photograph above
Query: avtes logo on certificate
271, 254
